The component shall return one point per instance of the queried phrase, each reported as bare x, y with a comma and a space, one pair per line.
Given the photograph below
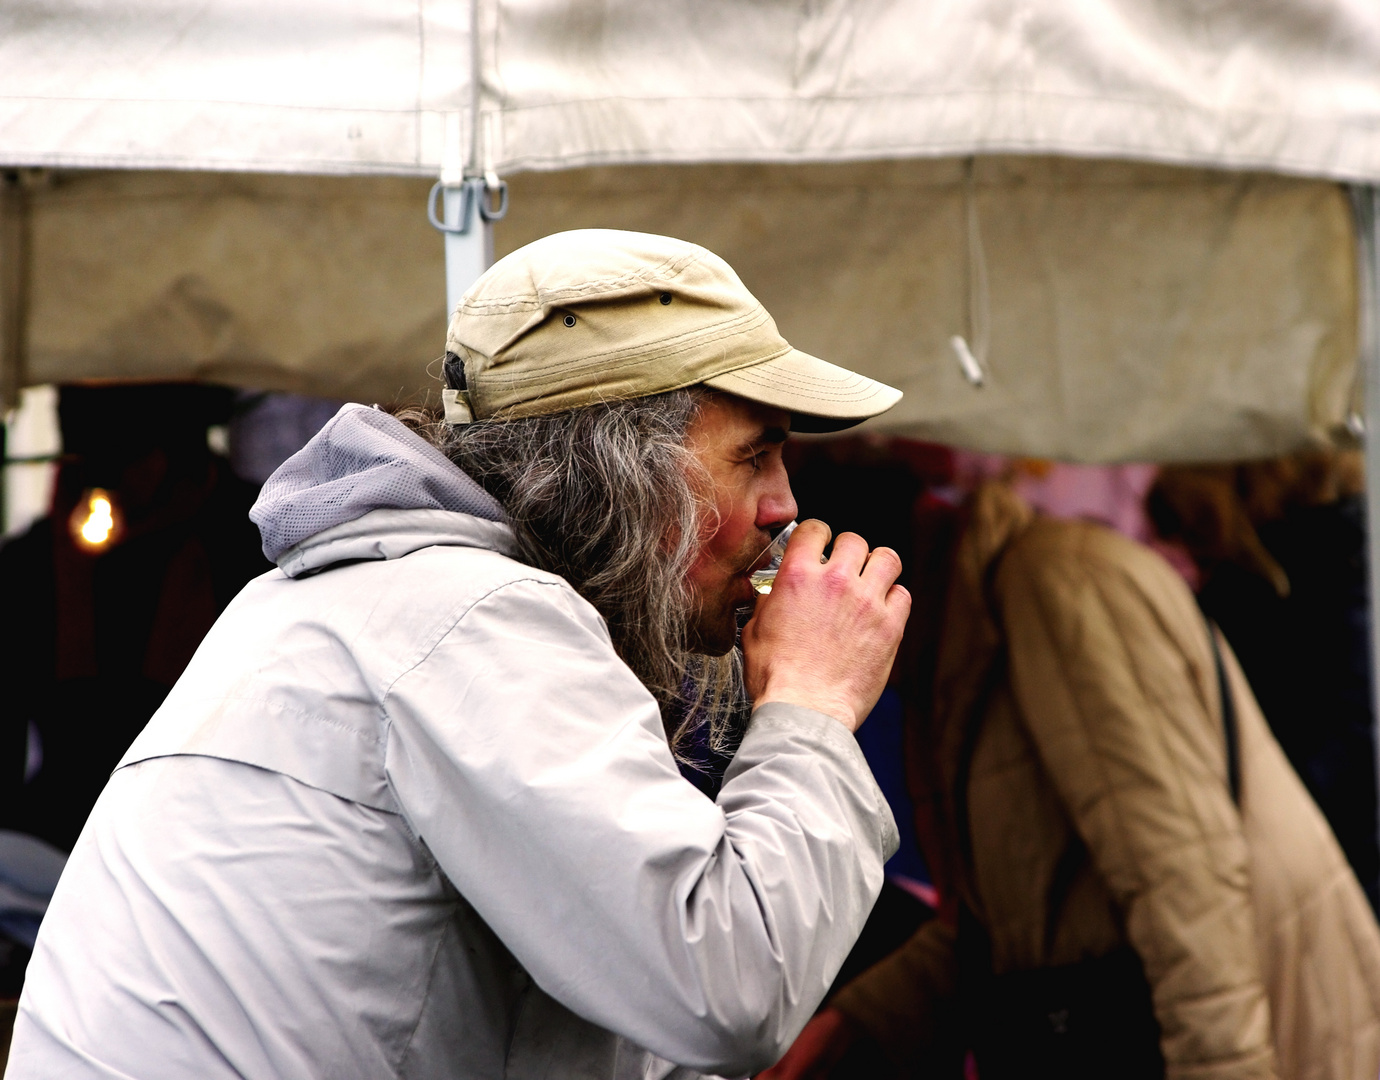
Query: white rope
971, 351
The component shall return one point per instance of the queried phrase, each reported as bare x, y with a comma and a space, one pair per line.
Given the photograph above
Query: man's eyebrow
769, 436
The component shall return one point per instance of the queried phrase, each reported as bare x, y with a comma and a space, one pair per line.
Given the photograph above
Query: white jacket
408, 815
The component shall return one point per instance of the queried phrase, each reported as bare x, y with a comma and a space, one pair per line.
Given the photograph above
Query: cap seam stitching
670, 346
862, 393
523, 301
694, 380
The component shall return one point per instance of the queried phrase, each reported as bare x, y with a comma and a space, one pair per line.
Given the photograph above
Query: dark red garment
91, 643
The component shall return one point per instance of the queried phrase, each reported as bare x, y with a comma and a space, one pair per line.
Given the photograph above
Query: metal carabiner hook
487, 210
466, 201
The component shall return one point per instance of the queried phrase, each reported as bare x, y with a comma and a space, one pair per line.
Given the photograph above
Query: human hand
827, 633
817, 1049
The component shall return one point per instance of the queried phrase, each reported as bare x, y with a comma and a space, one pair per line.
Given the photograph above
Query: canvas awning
1136, 310
355, 86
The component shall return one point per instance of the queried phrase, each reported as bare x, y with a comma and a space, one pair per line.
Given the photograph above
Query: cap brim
821, 396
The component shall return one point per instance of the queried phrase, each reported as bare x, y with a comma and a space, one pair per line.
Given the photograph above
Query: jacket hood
366, 487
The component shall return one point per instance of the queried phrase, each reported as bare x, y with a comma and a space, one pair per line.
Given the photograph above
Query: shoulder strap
1228, 718
972, 728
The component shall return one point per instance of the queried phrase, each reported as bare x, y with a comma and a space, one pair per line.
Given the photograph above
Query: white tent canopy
306, 86
1280, 85
1136, 311
356, 86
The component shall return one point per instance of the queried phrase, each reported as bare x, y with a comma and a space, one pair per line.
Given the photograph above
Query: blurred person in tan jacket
1071, 765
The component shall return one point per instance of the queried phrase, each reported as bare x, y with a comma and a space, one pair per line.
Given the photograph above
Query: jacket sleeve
1111, 672
532, 763
908, 1001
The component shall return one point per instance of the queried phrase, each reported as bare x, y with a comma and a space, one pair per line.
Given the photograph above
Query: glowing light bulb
101, 522
95, 522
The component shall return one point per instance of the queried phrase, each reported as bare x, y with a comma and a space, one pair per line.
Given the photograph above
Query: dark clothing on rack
93, 642
1307, 657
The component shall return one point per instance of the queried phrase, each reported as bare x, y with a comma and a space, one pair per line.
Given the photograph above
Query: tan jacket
1104, 728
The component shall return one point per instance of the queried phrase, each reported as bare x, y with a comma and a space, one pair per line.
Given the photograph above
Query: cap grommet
569, 320
665, 298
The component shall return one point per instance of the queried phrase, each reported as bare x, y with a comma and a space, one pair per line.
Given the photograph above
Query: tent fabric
1276, 85
331, 286
295, 86
1138, 312
364, 86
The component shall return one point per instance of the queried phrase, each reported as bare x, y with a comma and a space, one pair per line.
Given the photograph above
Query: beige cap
602, 315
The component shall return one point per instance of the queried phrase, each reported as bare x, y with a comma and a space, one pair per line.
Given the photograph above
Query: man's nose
778, 508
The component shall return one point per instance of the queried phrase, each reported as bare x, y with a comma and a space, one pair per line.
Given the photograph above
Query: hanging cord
972, 350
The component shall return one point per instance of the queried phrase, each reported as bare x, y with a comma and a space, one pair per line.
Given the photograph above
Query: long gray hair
608, 497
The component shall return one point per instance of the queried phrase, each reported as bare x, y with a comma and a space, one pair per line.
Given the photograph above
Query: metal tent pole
466, 221
1366, 202
472, 196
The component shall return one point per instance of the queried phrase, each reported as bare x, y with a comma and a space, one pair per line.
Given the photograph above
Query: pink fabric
921, 890
1111, 494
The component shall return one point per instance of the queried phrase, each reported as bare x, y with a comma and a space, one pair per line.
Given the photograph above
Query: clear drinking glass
762, 579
